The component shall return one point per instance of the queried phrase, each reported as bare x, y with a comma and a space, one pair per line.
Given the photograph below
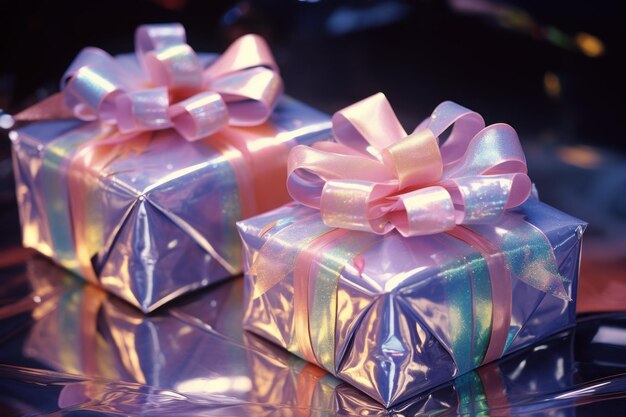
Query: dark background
505, 60
551, 69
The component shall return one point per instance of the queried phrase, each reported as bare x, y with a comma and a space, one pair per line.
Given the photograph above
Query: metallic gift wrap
396, 316
155, 215
68, 347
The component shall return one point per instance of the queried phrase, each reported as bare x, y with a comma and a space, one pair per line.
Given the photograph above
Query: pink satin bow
240, 88
376, 177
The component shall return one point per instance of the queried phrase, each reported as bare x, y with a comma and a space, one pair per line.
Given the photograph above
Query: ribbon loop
376, 178
423, 212
158, 36
355, 205
91, 89
143, 110
251, 94
240, 88
199, 116
368, 123
415, 160
249, 51
464, 122
176, 66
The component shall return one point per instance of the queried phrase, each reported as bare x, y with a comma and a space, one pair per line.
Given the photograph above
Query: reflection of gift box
514, 385
393, 307
279, 378
86, 332
539, 373
144, 200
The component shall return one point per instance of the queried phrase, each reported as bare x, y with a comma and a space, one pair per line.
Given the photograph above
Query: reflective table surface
553, 70
68, 348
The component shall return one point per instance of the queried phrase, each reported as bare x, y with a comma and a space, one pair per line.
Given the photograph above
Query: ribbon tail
277, 257
530, 255
51, 108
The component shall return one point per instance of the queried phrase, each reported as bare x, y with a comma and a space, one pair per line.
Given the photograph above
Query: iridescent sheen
152, 218
194, 100
378, 178
405, 314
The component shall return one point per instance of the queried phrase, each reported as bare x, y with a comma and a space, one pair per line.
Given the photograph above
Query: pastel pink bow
240, 88
376, 178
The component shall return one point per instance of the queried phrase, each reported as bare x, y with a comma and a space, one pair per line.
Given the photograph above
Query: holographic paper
406, 314
68, 347
156, 214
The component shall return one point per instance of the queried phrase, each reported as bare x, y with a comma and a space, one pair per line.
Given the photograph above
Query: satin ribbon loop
377, 178
176, 66
247, 52
173, 90
463, 122
199, 116
360, 204
368, 125
423, 211
158, 36
143, 110
416, 159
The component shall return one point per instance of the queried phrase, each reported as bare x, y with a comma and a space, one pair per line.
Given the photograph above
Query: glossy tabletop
68, 348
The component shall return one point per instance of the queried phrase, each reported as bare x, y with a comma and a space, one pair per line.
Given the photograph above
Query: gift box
134, 176
409, 262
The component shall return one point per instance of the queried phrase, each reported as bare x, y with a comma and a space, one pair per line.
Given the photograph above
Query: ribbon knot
240, 88
376, 177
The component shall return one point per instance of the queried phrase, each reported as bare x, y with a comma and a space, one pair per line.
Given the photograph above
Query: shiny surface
68, 348
397, 316
512, 61
172, 87
376, 178
156, 216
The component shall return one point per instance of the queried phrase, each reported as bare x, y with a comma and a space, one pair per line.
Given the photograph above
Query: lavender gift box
146, 206
393, 313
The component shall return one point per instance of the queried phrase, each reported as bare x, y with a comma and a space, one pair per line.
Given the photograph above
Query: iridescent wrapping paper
158, 215
85, 350
398, 316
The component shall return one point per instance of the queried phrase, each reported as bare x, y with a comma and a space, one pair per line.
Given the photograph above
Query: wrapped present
409, 262
135, 174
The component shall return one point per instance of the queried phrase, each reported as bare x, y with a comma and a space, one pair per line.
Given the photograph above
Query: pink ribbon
376, 177
240, 88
